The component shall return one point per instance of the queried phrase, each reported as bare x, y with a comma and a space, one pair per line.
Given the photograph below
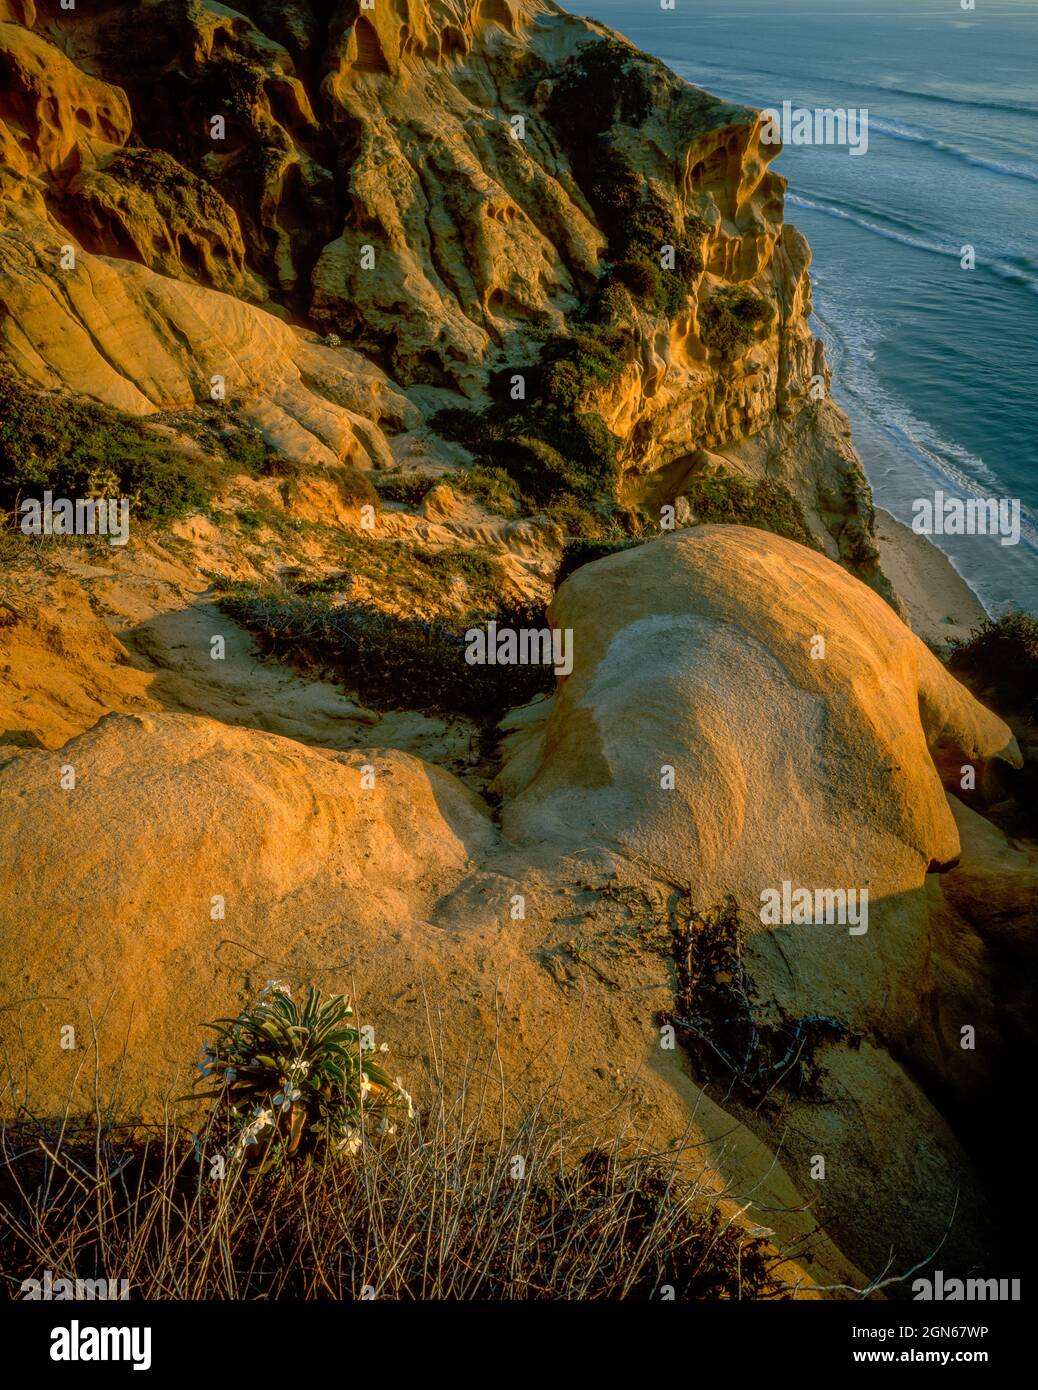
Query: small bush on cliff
571, 367
752, 1051
77, 449
720, 499
492, 486
1001, 659
294, 1081
408, 489
391, 662
606, 84
728, 319
549, 444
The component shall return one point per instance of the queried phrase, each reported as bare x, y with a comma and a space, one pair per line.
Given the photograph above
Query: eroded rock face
746, 662
120, 333
392, 131
438, 183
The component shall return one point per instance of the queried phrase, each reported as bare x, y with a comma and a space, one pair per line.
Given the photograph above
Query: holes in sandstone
370, 57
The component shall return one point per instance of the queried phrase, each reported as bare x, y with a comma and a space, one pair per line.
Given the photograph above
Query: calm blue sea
936, 365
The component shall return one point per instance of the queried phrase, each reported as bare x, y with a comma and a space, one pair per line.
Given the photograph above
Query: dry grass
439, 1211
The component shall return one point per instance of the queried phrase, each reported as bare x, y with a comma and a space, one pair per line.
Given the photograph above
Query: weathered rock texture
401, 177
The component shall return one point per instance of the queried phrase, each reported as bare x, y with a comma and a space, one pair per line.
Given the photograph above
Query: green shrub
728, 319
355, 486
492, 486
571, 367
244, 446
294, 1081
280, 466
407, 488
548, 451
1000, 657
608, 84
76, 448
604, 82
583, 551
719, 498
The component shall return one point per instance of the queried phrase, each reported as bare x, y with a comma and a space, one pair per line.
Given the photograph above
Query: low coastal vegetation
759, 1055
722, 499
555, 452
1000, 660
489, 485
391, 660
604, 84
999, 663
75, 448
729, 318
425, 1207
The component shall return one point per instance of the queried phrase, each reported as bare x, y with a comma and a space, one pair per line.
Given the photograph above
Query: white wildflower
405, 1096
351, 1140
286, 1095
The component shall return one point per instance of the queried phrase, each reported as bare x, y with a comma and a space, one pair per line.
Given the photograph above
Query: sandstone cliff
439, 185
485, 256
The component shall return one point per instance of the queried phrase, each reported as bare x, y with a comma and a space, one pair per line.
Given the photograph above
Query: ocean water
935, 364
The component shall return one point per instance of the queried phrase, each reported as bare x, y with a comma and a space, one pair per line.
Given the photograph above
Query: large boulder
189, 863
742, 715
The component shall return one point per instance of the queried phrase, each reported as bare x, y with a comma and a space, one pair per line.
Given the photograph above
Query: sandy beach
940, 603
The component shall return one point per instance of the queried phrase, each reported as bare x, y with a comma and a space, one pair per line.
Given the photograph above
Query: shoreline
939, 602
